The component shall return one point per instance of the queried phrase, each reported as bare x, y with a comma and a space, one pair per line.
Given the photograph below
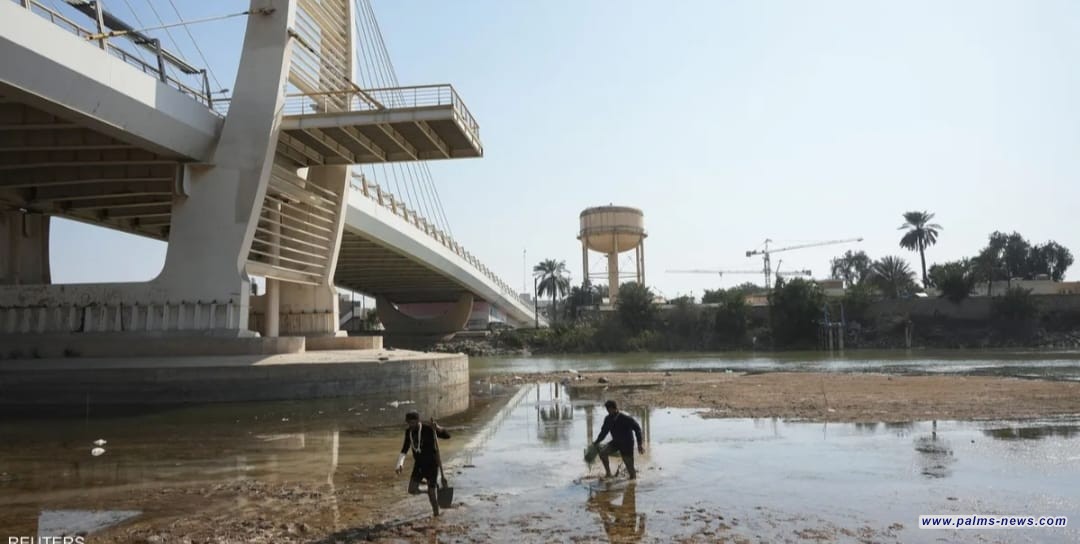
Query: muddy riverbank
820, 396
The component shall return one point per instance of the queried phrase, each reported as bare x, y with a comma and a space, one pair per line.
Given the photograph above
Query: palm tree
553, 279
921, 233
892, 276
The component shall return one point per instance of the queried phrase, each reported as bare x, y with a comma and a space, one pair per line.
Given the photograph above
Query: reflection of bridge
259, 185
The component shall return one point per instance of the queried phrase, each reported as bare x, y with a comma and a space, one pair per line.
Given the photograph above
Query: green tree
893, 277
853, 267
1016, 305
730, 322
921, 234
955, 279
1015, 257
635, 307
553, 280
578, 298
858, 298
989, 263
1051, 259
721, 295
684, 327
795, 307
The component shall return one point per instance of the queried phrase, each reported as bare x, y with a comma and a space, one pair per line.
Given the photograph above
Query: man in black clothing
620, 426
421, 439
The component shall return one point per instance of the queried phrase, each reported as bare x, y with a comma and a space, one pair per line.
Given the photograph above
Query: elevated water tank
612, 230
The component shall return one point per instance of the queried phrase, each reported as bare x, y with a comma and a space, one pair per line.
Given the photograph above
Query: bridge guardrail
387, 200
390, 98
203, 95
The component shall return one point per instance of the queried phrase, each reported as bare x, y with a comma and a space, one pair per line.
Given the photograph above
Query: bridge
265, 183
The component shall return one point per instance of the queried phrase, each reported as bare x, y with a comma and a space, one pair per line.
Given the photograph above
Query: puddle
61, 523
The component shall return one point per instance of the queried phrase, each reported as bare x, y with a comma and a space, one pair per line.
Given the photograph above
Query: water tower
612, 230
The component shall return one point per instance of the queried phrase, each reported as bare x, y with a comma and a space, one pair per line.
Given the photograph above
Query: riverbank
819, 396
927, 333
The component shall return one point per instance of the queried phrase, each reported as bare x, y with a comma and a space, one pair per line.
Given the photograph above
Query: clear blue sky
727, 122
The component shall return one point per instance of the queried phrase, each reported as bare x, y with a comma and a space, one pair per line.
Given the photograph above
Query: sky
726, 122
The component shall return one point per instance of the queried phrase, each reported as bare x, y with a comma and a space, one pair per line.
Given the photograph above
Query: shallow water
1064, 365
516, 463
766, 479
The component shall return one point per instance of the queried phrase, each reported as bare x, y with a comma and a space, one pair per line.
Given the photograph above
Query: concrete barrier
323, 343
172, 380
54, 346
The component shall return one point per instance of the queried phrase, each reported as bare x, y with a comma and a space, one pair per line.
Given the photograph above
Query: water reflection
935, 457
1033, 433
554, 414
621, 522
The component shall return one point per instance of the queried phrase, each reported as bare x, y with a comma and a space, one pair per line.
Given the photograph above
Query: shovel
445, 493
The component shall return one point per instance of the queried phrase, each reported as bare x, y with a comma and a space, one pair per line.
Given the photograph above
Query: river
320, 471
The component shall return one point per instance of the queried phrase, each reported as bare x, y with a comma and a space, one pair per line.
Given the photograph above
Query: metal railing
413, 97
203, 95
387, 200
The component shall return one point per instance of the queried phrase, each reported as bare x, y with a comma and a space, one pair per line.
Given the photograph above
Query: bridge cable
377, 80
417, 172
161, 21
206, 63
426, 170
384, 81
370, 82
392, 75
138, 20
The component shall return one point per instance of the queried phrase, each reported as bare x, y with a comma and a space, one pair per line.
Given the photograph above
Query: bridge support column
204, 287
24, 253
404, 331
312, 310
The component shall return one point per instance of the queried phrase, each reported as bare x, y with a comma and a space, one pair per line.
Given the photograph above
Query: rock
603, 380
668, 373
154, 539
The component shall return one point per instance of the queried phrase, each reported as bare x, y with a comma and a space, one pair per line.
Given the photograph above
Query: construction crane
722, 272
766, 252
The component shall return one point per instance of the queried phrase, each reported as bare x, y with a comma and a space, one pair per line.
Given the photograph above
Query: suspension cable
384, 58
187, 29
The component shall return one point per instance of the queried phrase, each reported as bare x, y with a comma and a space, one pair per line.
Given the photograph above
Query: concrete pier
173, 380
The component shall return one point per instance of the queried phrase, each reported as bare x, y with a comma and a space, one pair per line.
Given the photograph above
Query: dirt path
826, 396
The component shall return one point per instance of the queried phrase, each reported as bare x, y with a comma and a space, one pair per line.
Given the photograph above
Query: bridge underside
391, 135
368, 267
52, 162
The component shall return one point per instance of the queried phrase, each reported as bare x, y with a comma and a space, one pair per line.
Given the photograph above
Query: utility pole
524, 269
